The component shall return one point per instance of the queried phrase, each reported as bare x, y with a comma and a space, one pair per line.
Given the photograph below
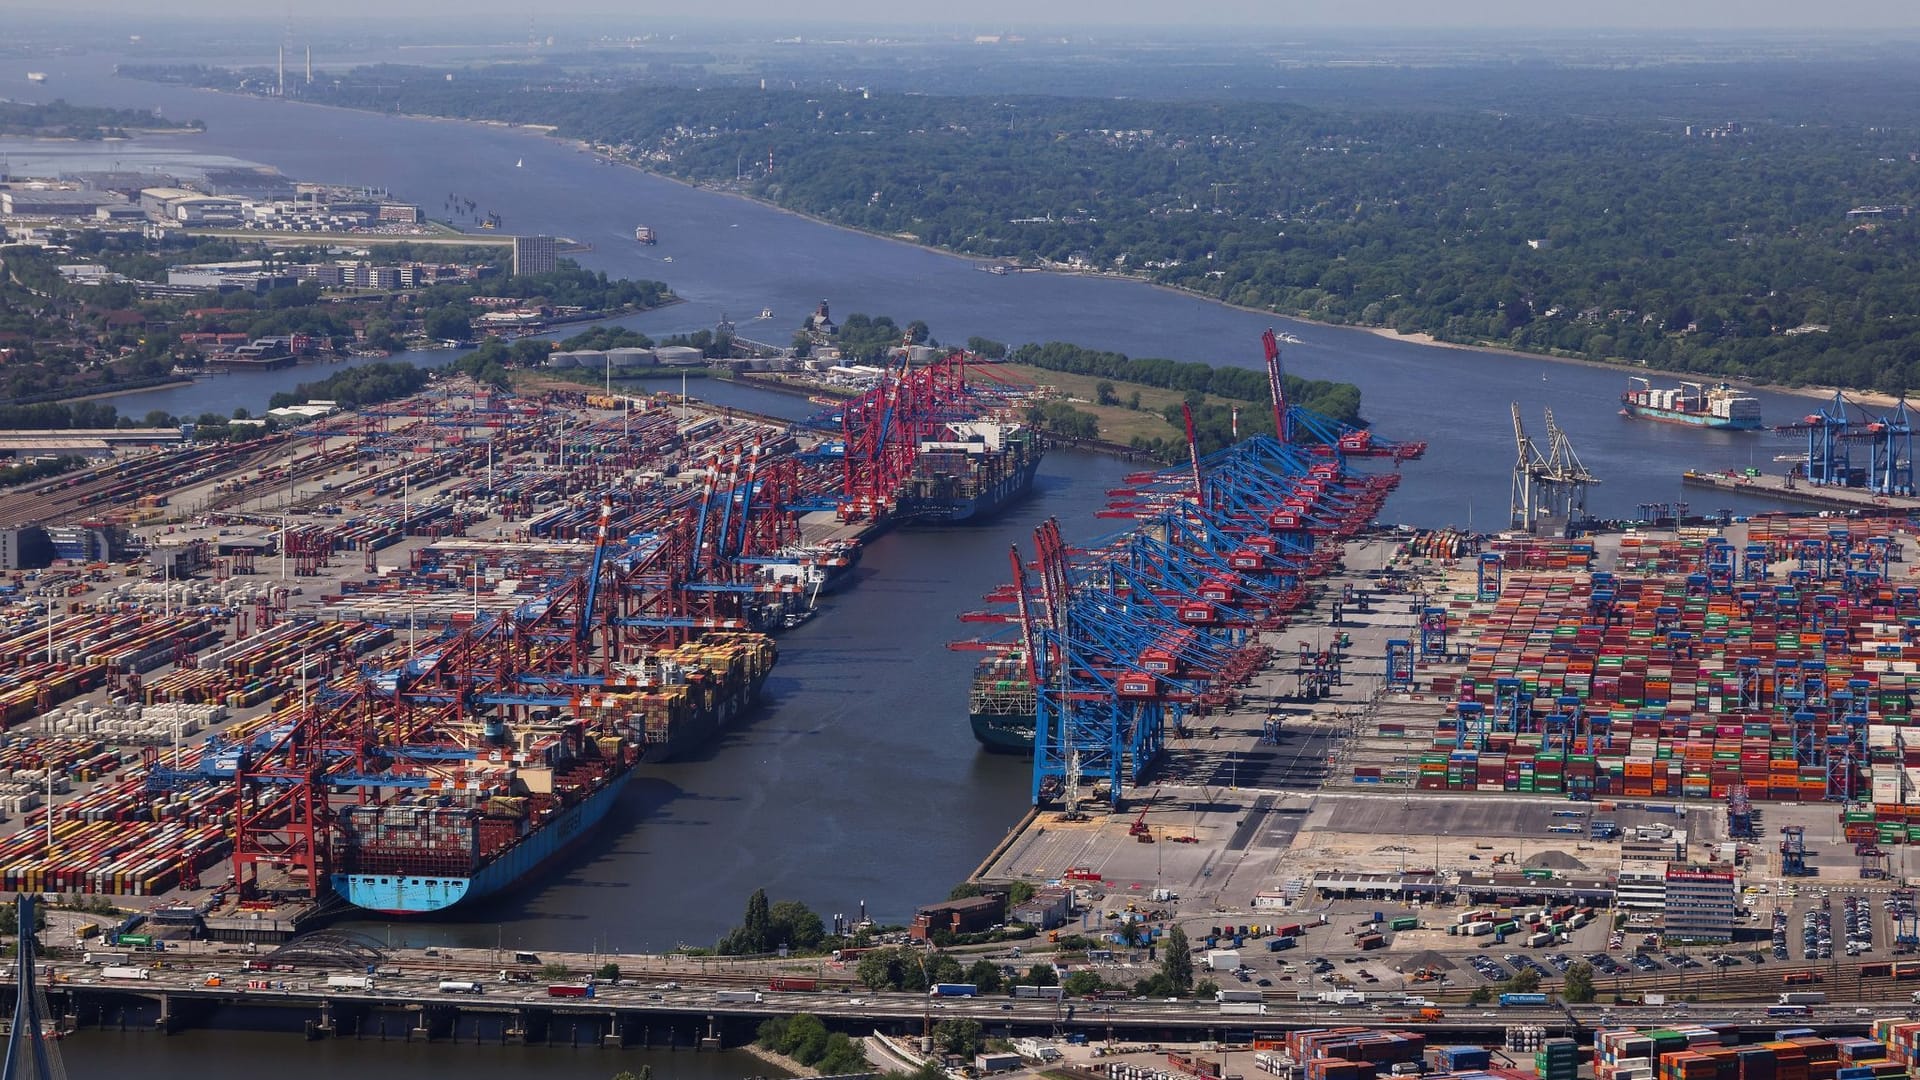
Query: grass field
1117, 422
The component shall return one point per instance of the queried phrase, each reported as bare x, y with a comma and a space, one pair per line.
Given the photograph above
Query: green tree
1019, 893
1524, 981
958, 1037
1040, 975
793, 924
1176, 961
448, 323
757, 924
1481, 994
1083, 984
1579, 986
985, 974
879, 970
1103, 393
843, 1056
1205, 989
608, 972
966, 890
554, 971
805, 1039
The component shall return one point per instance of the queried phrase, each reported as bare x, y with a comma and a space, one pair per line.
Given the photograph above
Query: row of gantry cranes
675, 553
1129, 637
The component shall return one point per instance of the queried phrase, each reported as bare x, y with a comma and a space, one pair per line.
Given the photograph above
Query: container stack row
1689, 682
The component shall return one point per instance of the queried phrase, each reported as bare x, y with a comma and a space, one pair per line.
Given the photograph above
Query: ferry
643, 234
36, 76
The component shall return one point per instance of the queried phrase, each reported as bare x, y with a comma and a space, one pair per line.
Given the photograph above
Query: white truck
1342, 997
739, 997
349, 982
1243, 1008
455, 986
125, 973
1223, 960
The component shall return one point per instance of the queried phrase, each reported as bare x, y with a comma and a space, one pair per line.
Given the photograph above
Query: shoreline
104, 394
778, 1060
1422, 337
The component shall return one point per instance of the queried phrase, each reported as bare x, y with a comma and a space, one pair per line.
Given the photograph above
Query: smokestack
282, 69
309, 65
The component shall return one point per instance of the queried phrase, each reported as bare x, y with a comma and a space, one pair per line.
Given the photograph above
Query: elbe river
860, 781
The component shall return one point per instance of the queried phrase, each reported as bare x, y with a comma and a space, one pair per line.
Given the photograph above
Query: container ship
696, 689
981, 468
546, 787
427, 851
1001, 704
1720, 407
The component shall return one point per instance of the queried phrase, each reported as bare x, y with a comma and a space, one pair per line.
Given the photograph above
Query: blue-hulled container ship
539, 789
428, 851
1720, 407
977, 469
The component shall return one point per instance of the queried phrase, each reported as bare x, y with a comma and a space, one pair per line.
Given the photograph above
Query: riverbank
104, 394
778, 1060
1421, 337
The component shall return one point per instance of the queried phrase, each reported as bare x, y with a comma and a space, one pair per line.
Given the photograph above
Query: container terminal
403, 656
1354, 764
1850, 457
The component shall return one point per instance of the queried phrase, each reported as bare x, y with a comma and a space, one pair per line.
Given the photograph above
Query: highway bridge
413, 1005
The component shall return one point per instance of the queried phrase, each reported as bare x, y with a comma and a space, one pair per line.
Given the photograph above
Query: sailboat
519, 162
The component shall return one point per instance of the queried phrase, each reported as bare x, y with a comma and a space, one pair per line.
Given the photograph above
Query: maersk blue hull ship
429, 852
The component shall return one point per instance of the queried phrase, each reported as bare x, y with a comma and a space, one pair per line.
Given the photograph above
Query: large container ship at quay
540, 790
1001, 704
1720, 407
980, 469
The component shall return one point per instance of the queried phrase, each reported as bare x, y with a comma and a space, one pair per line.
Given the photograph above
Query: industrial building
535, 254
55, 202
967, 916
1048, 908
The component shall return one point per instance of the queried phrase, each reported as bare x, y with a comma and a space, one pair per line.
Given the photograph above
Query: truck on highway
125, 973
1431, 1013
1521, 1001
1342, 997
954, 990
738, 997
792, 985
1044, 993
580, 990
350, 982
1803, 997
457, 986
1242, 1008
1238, 995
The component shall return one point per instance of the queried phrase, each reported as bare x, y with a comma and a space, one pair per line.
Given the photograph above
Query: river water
861, 782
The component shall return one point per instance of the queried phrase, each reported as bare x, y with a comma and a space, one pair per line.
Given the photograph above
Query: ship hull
1003, 734
426, 894
1674, 416
1009, 490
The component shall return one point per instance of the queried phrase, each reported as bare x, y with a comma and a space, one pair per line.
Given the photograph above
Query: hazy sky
1843, 16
